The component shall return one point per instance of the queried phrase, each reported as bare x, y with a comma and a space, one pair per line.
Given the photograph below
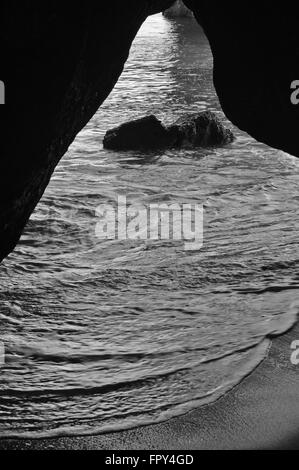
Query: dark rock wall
59, 61
256, 58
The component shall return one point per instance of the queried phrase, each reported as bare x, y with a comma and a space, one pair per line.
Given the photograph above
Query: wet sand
262, 412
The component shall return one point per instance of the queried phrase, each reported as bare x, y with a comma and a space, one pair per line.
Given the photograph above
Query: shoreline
260, 412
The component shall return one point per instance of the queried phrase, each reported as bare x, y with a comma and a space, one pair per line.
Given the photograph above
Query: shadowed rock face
59, 63
61, 60
256, 58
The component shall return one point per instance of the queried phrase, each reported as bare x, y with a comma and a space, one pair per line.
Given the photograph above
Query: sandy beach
260, 413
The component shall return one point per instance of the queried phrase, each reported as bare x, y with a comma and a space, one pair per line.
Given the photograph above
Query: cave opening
134, 331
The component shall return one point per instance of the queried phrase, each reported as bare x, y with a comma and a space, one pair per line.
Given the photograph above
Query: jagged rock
200, 130
145, 133
193, 130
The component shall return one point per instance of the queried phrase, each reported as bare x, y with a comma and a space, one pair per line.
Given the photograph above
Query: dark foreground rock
59, 62
194, 130
255, 49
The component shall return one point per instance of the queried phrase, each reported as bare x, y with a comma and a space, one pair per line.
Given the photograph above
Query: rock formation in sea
203, 129
60, 62
145, 133
178, 9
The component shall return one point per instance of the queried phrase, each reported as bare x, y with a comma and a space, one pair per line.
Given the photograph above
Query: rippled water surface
104, 335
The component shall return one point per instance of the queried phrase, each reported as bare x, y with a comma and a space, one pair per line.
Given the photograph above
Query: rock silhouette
203, 129
194, 130
145, 133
